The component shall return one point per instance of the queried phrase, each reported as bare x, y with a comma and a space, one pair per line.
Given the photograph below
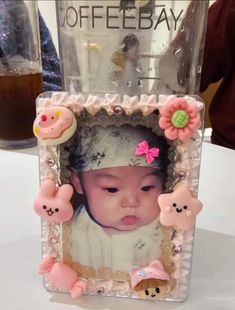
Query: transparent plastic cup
20, 72
132, 47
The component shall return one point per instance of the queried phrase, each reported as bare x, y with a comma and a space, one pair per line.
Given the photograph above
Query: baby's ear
76, 183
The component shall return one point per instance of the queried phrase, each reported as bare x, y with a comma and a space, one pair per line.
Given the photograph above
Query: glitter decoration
177, 249
181, 174
51, 162
101, 291
118, 110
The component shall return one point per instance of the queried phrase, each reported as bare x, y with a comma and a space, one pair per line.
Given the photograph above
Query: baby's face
123, 198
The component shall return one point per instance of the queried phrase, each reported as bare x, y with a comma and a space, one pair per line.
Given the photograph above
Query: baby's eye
147, 188
146, 292
111, 189
157, 290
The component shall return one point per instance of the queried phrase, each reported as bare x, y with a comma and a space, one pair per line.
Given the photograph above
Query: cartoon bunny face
54, 205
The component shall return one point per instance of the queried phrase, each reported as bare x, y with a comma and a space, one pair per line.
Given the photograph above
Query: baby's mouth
129, 220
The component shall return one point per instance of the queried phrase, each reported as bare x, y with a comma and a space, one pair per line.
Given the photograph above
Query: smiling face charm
152, 289
52, 203
151, 281
179, 208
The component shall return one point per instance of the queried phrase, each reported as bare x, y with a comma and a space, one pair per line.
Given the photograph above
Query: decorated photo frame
118, 196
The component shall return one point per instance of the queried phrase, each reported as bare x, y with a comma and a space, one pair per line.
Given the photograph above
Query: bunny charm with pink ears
53, 204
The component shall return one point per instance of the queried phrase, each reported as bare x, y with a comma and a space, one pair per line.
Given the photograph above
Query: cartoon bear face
154, 292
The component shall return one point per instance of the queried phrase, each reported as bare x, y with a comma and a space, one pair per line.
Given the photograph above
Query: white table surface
213, 274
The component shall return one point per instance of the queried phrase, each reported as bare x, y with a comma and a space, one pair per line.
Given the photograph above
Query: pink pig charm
53, 204
179, 208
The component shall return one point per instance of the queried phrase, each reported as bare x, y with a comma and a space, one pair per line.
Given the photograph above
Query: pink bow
143, 149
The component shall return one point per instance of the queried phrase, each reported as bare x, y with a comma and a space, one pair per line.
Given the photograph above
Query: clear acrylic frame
183, 162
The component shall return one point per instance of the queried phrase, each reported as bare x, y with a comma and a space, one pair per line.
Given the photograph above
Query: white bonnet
105, 147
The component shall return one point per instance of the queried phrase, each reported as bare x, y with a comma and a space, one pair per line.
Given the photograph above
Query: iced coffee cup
20, 72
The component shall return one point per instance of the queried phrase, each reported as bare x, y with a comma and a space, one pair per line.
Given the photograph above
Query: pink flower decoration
180, 119
179, 208
143, 149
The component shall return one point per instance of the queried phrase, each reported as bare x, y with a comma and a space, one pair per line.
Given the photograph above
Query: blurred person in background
219, 64
50, 61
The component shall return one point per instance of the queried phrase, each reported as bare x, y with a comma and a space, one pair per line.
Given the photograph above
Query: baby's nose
130, 200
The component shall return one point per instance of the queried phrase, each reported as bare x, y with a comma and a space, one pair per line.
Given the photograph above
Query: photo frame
118, 197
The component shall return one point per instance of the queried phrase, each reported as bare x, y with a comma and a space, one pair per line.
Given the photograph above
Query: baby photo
117, 173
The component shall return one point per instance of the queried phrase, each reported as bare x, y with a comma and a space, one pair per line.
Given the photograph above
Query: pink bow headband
155, 270
150, 153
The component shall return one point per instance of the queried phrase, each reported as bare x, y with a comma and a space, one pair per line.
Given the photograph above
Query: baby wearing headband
118, 173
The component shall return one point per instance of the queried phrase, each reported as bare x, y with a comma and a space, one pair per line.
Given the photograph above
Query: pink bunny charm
63, 276
53, 204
